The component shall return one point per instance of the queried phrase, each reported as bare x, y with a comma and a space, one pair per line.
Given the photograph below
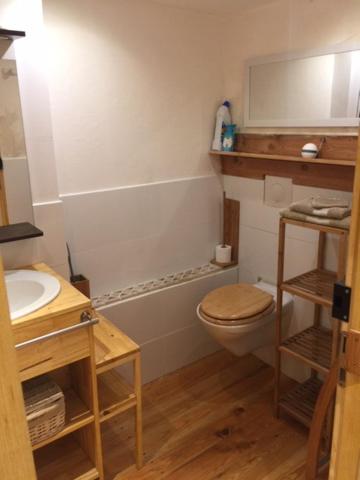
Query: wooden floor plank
210, 420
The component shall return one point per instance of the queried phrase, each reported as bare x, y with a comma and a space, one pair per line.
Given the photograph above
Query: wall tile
143, 232
49, 218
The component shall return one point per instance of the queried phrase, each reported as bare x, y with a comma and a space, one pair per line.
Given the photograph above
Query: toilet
241, 317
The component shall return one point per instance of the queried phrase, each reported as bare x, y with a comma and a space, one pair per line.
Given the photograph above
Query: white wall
31, 65
129, 235
134, 87
284, 26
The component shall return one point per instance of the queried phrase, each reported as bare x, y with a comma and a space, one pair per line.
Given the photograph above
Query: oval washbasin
29, 290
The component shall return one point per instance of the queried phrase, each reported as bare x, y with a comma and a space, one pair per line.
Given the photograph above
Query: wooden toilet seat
236, 304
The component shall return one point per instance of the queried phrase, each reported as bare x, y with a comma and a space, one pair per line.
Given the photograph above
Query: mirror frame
298, 122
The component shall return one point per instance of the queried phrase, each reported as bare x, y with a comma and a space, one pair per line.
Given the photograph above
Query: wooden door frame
345, 455
16, 458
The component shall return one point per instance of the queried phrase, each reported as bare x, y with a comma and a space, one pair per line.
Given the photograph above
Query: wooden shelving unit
112, 349
315, 346
68, 357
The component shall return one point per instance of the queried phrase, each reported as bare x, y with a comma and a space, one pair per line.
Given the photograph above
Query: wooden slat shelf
316, 286
114, 348
77, 416
115, 395
300, 402
312, 346
285, 158
64, 460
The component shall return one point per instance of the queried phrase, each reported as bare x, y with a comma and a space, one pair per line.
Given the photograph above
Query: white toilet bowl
246, 335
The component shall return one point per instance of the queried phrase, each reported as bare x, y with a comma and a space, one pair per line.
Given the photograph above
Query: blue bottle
229, 138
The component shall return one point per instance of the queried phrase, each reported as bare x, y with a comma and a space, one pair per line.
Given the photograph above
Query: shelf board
312, 346
300, 402
11, 34
115, 395
233, 263
64, 460
316, 286
18, 231
112, 347
77, 415
285, 158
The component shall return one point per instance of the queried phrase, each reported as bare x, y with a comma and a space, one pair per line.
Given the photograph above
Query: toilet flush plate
277, 191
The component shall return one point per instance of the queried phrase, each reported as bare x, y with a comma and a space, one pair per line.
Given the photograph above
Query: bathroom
118, 105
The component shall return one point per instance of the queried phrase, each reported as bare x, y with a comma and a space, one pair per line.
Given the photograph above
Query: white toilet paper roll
223, 253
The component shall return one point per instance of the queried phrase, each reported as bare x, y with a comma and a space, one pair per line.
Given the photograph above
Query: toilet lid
235, 302
241, 321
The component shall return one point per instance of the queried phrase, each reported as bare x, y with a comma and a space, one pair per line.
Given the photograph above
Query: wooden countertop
68, 300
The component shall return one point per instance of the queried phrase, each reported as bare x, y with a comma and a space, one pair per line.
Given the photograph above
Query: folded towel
307, 207
322, 202
329, 222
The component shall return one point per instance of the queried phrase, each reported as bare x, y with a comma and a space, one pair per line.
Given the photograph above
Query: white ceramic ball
309, 150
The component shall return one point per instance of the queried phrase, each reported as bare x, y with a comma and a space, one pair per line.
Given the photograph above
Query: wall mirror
15, 193
313, 89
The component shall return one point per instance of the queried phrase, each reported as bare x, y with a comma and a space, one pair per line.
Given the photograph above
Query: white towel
307, 207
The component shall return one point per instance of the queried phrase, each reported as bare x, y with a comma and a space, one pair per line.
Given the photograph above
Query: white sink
29, 290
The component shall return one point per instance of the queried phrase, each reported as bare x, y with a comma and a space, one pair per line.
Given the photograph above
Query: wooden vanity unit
58, 340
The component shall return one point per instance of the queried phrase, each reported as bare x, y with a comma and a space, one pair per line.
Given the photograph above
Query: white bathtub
165, 324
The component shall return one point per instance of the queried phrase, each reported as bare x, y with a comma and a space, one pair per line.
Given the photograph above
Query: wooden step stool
112, 349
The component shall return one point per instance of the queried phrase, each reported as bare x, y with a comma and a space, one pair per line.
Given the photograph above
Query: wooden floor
210, 420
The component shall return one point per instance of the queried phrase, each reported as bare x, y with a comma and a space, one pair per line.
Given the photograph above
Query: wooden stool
112, 349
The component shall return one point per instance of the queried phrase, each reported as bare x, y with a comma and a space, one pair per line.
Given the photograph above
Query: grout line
128, 187
153, 286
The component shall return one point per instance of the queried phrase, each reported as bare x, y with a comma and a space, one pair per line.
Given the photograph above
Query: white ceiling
217, 6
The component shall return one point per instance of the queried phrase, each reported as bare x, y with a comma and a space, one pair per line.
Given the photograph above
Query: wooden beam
337, 177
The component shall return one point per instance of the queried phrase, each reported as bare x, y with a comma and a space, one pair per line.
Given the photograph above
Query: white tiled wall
49, 249
165, 324
259, 243
128, 235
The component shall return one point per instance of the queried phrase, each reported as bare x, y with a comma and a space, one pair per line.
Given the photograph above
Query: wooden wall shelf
256, 156
285, 158
19, 231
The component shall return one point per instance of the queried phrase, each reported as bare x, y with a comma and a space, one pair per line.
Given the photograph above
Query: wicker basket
44, 407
